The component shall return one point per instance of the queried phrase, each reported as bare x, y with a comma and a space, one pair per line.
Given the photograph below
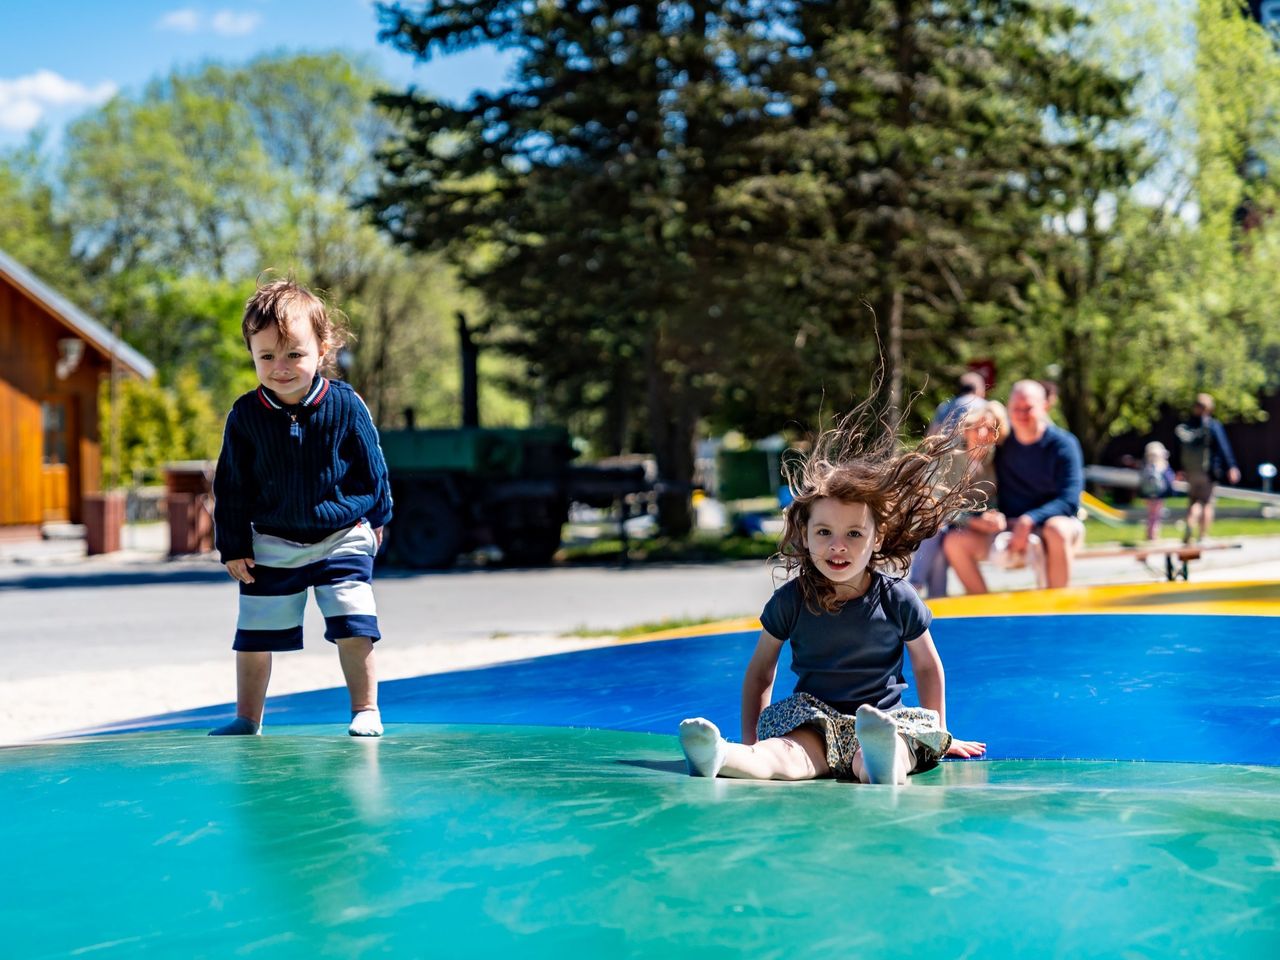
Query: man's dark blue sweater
1042, 479
301, 471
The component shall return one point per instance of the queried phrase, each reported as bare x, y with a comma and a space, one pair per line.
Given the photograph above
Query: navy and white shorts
339, 569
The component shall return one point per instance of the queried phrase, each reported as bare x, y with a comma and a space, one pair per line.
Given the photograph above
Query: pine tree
582, 202
696, 203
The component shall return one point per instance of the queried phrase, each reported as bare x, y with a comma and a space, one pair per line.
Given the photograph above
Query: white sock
883, 752
239, 727
703, 747
366, 723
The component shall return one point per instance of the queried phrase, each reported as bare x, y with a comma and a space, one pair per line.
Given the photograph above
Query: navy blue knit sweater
301, 472
1042, 479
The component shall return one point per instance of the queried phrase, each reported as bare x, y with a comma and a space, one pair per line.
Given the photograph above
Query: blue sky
58, 58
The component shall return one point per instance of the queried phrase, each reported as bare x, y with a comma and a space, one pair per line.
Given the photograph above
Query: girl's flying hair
861, 460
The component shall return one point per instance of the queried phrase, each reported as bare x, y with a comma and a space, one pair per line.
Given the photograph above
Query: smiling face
840, 538
286, 365
1028, 408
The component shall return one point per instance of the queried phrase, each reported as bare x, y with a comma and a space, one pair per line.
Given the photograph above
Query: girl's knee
806, 752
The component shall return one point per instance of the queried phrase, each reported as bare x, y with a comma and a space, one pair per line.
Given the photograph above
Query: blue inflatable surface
1103, 687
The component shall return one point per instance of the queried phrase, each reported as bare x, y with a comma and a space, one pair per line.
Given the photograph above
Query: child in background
301, 497
861, 507
1155, 482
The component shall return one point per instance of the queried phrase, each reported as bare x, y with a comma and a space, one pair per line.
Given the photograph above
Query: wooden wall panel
54, 495
28, 356
31, 343
20, 457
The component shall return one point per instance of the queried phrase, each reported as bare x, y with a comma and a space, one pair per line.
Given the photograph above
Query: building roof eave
89, 329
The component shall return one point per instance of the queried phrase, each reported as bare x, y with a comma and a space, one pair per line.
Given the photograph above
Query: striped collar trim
319, 390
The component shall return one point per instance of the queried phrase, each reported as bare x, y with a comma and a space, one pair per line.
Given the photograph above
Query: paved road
59, 612
52, 620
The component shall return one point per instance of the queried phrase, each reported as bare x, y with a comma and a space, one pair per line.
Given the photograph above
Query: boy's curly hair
861, 460
283, 302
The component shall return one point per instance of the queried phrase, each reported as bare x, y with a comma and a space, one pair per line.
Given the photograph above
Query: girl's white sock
704, 748
366, 723
883, 752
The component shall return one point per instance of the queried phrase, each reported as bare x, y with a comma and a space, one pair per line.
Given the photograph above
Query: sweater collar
319, 390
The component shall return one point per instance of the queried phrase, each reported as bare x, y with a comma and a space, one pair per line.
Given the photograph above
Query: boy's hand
377, 535
239, 570
966, 748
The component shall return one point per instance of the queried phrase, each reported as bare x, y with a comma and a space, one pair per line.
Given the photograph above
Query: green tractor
457, 490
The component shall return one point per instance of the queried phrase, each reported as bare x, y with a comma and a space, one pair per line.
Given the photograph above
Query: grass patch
640, 629
1176, 502
698, 548
703, 547
1097, 533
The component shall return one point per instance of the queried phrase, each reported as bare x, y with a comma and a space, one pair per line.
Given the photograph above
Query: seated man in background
1039, 478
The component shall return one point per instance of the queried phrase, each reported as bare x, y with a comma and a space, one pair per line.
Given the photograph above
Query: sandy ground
43, 707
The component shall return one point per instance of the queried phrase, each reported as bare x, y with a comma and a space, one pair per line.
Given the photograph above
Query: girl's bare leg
800, 755
1154, 510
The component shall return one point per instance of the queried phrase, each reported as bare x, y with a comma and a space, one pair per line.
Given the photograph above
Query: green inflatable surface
526, 842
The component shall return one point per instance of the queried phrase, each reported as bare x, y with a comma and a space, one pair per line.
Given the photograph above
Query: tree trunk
671, 427
1073, 393
895, 359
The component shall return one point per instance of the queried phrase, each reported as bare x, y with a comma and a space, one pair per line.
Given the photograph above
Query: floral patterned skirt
920, 727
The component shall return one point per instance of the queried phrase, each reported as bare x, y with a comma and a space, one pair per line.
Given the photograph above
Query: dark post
470, 385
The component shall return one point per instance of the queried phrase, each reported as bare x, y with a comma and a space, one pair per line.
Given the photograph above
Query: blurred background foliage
675, 219
162, 208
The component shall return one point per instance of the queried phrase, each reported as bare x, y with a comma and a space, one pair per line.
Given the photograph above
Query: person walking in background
1155, 482
1039, 479
301, 497
971, 389
1206, 460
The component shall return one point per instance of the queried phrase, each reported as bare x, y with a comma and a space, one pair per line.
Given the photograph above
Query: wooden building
53, 358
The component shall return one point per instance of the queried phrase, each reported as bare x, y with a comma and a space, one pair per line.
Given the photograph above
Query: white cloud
226, 23
182, 21
232, 24
24, 101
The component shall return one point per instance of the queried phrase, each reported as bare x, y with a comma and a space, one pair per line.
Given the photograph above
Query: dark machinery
456, 490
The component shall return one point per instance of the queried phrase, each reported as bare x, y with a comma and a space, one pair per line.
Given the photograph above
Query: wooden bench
1176, 554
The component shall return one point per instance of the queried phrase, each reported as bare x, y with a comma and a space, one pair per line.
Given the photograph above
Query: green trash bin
749, 474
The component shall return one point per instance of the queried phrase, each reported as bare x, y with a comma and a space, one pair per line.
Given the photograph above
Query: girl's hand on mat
966, 748
239, 570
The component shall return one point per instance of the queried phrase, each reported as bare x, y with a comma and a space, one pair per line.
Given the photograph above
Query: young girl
861, 507
1155, 482
301, 496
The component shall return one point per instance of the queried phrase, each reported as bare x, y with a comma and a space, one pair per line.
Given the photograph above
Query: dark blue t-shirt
854, 656
1042, 479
